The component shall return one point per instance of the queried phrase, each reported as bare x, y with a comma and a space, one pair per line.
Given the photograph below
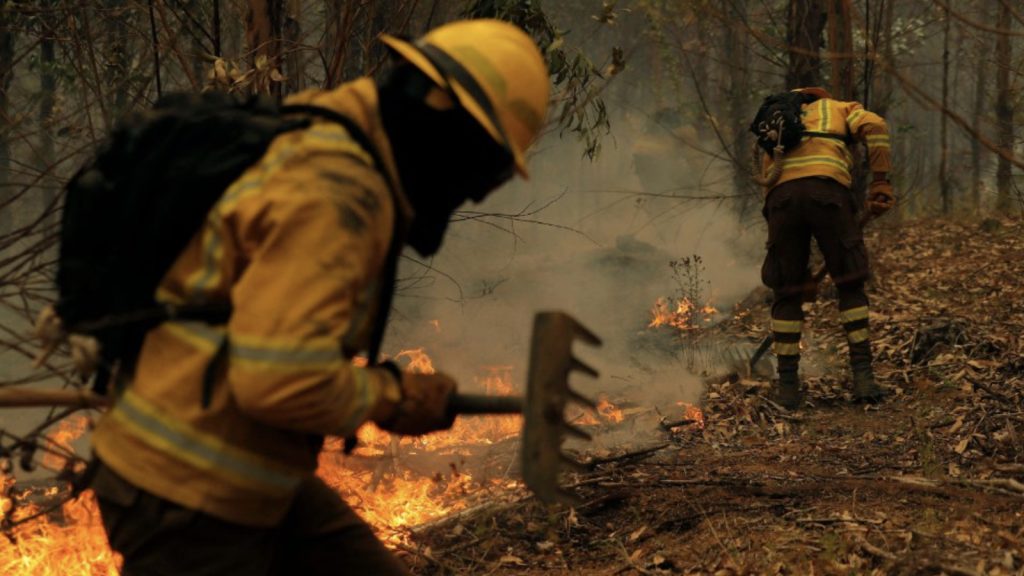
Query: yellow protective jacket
297, 245
830, 157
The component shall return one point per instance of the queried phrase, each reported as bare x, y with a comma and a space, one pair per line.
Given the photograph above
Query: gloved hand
880, 197
422, 407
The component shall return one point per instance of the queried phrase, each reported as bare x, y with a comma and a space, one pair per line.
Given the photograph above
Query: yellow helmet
496, 72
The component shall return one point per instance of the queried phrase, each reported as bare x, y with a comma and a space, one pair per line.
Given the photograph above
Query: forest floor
930, 481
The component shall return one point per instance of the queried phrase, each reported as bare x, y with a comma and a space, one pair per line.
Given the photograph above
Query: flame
608, 411
68, 430
686, 315
691, 412
73, 545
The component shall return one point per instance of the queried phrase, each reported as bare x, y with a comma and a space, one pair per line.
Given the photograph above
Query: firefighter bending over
811, 197
299, 245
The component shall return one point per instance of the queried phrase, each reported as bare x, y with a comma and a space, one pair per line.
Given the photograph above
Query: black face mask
444, 157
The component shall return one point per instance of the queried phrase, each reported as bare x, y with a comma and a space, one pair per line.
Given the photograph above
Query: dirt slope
929, 482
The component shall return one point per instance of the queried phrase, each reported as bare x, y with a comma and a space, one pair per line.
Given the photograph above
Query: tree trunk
295, 69
737, 58
806, 20
944, 185
882, 84
840, 44
263, 34
45, 161
982, 68
117, 61
197, 21
6, 75
1004, 111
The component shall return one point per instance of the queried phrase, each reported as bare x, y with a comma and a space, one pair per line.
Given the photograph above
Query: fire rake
543, 407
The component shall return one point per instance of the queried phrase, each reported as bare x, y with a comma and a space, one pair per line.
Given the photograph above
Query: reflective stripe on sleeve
878, 141
854, 117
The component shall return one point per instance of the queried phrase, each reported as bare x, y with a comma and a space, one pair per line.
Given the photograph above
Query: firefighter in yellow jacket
207, 459
811, 197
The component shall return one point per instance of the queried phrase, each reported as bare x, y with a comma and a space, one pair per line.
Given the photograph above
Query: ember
606, 413
691, 412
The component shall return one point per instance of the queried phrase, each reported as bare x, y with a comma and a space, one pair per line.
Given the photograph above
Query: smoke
591, 238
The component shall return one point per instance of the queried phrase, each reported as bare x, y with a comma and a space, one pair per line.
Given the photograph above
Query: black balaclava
444, 157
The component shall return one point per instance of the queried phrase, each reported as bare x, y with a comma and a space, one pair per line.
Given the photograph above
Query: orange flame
691, 412
75, 545
608, 411
686, 315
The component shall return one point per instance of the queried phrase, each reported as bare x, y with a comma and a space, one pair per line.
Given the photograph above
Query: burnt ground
931, 481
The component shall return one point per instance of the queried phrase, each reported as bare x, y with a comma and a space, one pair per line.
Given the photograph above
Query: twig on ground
634, 454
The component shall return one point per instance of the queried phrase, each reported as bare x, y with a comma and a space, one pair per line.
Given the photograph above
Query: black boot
865, 389
788, 394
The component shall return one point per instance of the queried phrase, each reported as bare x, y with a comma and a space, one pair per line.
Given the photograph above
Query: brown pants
822, 209
319, 535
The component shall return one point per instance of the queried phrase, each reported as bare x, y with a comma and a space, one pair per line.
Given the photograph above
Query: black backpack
131, 210
780, 114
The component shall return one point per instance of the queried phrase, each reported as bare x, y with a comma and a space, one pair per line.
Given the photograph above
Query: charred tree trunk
1004, 111
6, 75
944, 184
840, 43
805, 23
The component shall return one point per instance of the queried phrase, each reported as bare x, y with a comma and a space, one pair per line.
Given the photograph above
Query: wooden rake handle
484, 404
35, 398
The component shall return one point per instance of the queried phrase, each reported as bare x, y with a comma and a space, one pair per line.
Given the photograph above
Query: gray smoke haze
601, 253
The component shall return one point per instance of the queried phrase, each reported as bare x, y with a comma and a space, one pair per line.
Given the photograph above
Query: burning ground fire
374, 480
686, 315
